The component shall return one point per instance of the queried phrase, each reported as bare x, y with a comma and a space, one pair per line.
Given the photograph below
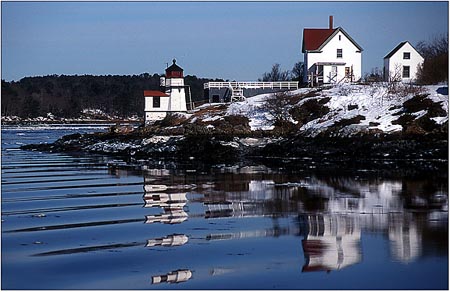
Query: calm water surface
94, 222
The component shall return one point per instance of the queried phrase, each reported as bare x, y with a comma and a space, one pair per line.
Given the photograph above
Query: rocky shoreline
273, 149
341, 125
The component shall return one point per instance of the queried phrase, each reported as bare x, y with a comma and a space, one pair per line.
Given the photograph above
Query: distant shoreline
69, 122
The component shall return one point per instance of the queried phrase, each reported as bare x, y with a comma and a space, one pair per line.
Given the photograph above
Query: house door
347, 71
333, 77
320, 74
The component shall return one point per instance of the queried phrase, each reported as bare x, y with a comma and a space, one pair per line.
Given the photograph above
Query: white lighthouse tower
175, 88
173, 99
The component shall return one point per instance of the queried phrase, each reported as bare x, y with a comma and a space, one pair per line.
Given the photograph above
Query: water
93, 222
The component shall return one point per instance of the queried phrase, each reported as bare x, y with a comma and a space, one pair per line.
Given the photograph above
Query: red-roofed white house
330, 56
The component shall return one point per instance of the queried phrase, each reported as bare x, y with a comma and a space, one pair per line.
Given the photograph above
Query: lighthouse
175, 87
171, 98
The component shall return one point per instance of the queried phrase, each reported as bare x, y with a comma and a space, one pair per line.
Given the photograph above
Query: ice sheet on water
54, 127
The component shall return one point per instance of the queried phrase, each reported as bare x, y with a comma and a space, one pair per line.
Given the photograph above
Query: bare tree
297, 71
394, 79
375, 75
275, 74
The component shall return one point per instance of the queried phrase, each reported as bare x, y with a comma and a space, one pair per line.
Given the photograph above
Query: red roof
313, 38
154, 93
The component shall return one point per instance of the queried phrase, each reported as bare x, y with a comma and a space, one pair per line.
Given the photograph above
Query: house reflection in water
172, 204
173, 277
169, 240
331, 242
334, 210
405, 239
379, 207
273, 232
251, 198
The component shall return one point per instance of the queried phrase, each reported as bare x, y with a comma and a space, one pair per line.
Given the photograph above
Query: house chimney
331, 21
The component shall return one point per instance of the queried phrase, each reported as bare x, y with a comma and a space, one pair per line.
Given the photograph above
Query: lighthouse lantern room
171, 98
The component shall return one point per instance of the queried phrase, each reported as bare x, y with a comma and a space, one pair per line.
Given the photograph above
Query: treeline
66, 96
435, 65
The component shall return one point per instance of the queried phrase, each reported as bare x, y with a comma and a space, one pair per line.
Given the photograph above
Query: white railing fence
291, 85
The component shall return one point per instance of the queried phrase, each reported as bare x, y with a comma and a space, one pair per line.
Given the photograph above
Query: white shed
156, 105
402, 63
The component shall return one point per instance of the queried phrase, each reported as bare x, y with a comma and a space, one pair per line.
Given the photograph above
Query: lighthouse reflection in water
329, 216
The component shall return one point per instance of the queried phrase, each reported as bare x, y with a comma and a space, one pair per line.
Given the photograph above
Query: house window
339, 37
406, 56
156, 101
339, 53
405, 71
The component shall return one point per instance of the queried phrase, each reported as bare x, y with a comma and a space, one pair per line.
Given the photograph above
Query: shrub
310, 110
404, 120
421, 102
346, 122
237, 120
277, 107
171, 120
284, 127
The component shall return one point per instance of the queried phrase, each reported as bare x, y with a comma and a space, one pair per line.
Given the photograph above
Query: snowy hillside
378, 109
336, 123
355, 108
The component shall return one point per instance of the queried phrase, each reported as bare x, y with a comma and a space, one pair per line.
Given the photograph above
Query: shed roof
154, 93
398, 47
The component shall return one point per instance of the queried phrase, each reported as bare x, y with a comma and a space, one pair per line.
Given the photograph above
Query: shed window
339, 53
156, 101
406, 55
405, 71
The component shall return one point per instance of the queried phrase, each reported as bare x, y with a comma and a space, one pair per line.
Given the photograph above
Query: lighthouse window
156, 101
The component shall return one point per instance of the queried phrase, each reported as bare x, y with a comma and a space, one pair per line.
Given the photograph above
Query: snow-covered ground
374, 103
378, 107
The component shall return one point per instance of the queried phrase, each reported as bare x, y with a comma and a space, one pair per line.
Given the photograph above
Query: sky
229, 40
